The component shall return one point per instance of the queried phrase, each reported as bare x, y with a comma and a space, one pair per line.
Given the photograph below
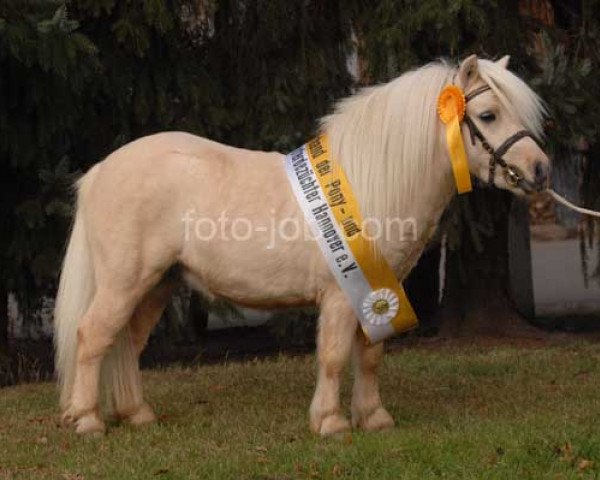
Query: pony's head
502, 126
392, 145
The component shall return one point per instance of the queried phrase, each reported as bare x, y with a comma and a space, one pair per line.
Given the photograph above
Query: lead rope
572, 206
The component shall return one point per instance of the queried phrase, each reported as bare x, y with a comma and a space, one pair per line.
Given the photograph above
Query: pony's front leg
367, 410
337, 327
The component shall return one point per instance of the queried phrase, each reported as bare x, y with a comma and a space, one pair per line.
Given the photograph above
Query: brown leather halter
512, 175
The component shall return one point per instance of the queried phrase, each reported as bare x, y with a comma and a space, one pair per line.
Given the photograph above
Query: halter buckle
513, 176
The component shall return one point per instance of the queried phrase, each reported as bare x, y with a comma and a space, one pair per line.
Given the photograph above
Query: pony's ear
467, 72
503, 62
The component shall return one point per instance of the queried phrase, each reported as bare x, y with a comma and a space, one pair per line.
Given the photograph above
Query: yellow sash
362, 272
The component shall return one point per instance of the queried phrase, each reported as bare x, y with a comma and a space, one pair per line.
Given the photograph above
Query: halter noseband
512, 175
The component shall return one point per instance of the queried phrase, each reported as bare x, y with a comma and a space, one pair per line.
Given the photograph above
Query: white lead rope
572, 206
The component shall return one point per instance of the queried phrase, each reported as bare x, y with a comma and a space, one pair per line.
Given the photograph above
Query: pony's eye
487, 117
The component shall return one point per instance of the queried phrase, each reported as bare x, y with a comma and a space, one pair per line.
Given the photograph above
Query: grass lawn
461, 411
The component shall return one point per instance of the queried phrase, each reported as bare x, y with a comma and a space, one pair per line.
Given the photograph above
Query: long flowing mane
515, 95
389, 140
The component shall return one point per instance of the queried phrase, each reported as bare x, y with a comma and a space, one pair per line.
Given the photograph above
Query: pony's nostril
540, 173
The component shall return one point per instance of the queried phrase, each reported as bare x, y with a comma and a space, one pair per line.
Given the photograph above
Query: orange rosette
451, 104
451, 107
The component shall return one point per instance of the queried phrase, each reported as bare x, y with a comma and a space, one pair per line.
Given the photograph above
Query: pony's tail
75, 292
119, 379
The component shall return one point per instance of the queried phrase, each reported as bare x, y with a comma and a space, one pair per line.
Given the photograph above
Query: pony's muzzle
515, 178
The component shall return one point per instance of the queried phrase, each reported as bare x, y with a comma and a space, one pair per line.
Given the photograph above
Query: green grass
461, 412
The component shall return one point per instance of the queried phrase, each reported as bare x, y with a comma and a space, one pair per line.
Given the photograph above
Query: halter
512, 175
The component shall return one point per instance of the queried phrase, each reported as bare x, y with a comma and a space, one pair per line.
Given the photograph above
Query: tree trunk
476, 297
3, 321
422, 287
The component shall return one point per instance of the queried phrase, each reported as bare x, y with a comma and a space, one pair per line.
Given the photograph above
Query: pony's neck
390, 142
418, 219
387, 138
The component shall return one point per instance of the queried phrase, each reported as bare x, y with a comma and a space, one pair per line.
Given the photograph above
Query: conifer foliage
46, 67
554, 46
79, 78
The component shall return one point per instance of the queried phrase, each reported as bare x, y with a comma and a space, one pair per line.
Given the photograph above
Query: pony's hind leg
367, 410
107, 315
128, 402
337, 326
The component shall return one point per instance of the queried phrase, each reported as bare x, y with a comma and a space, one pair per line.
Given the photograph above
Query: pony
170, 207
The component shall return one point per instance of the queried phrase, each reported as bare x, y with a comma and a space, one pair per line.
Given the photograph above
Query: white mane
515, 95
389, 139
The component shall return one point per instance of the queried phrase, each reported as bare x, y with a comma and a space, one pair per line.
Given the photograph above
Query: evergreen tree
46, 66
82, 77
560, 60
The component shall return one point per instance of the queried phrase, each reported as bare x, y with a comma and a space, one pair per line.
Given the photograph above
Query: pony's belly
252, 291
291, 275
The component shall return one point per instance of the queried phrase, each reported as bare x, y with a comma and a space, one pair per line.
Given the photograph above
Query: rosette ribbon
451, 110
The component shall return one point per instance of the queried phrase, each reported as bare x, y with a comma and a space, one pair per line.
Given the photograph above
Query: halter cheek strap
513, 176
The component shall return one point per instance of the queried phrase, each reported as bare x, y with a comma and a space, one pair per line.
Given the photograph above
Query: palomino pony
132, 240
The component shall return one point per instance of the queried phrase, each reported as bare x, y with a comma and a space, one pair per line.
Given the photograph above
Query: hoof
143, 416
331, 425
90, 424
377, 420
68, 418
